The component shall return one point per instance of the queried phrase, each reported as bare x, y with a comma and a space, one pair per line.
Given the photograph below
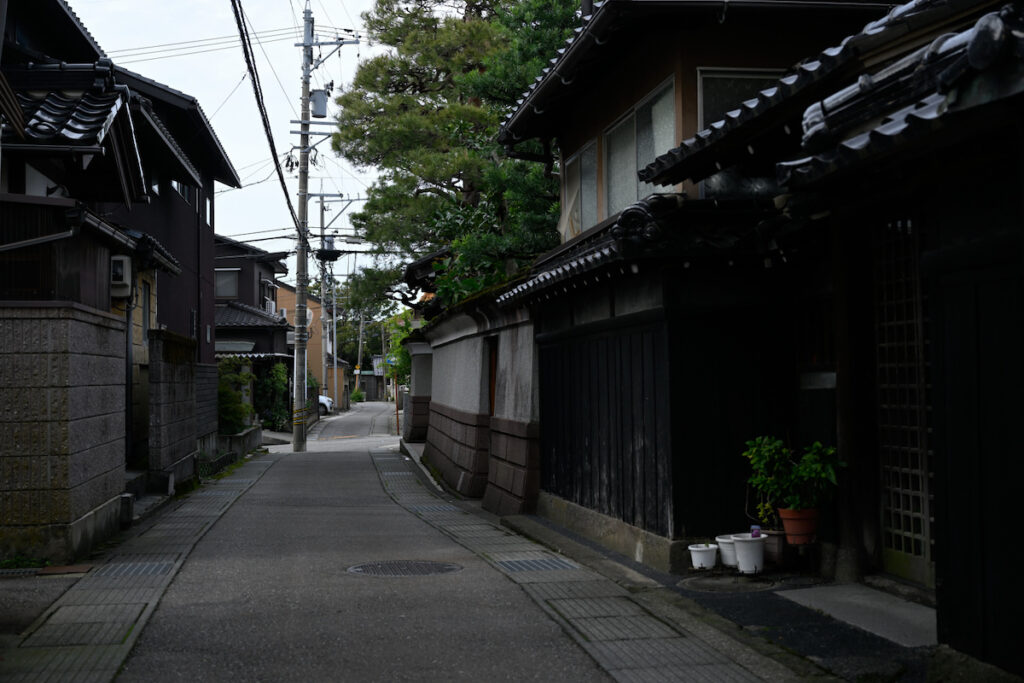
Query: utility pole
359, 353
323, 297
302, 255
301, 277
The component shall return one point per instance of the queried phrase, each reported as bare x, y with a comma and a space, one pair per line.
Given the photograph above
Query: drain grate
544, 565
403, 568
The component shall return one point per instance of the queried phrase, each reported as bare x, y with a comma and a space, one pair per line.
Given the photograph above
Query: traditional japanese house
96, 263
660, 348
897, 161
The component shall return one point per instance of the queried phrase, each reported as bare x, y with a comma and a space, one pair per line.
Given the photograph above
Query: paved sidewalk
89, 631
631, 638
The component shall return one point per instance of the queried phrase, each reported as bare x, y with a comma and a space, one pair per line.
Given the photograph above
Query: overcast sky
213, 74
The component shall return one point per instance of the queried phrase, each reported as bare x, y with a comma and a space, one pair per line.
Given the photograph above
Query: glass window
723, 90
620, 167
655, 133
570, 224
184, 190
579, 193
226, 284
588, 186
635, 142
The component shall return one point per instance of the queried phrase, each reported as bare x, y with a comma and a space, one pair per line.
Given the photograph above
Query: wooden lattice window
903, 411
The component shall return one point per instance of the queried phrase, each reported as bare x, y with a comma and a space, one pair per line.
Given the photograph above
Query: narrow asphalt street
267, 593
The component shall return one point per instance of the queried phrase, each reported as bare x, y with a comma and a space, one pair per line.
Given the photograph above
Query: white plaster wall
459, 378
518, 378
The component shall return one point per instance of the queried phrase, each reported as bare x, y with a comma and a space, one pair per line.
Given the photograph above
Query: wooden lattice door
903, 405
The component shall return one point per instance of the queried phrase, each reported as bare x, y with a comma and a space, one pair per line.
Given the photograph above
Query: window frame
667, 84
238, 277
730, 72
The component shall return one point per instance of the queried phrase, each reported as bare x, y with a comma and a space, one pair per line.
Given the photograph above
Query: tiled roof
660, 227
69, 119
237, 314
145, 108
726, 141
597, 29
226, 173
955, 75
160, 253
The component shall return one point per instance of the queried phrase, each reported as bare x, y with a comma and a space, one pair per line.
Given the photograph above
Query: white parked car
326, 404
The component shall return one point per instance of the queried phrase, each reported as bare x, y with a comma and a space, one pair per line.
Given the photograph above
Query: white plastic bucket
728, 549
703, 556
749, 553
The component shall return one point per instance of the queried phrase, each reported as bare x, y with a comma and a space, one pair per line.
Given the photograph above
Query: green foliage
433, 102
271, 399
23, 562
233, 412
782, 480
312, 383
400, 327
357, 396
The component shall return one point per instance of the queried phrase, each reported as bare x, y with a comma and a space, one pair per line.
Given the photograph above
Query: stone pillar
417, 408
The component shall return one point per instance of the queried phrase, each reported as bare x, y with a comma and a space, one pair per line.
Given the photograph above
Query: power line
131, 60
236, 7
270, 63
199, 42
221, 105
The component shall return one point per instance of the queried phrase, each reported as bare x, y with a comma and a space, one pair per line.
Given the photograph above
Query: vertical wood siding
605, 425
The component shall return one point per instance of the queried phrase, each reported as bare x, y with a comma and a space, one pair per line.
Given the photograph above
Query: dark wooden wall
605, 423
975, 284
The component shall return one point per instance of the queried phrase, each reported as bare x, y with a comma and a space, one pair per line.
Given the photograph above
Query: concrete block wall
206, 407
173, 430
62, 428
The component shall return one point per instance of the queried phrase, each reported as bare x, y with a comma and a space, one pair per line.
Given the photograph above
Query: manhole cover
404, 568
727, 584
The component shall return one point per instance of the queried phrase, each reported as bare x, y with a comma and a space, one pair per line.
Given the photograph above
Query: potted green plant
795, 487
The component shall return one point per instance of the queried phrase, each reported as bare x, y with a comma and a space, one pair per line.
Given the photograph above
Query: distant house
249, 323
320, 361
102, 372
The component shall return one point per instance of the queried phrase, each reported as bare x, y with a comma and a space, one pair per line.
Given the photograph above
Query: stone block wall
513, 474
457, 445
172, 405
62, 428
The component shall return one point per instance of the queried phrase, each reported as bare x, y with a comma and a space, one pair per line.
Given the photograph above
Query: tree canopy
426, 113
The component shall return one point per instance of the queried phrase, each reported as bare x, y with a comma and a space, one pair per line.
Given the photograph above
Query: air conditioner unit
270, 306
120, 276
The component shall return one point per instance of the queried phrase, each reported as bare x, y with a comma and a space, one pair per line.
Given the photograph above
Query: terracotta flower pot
801, 525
